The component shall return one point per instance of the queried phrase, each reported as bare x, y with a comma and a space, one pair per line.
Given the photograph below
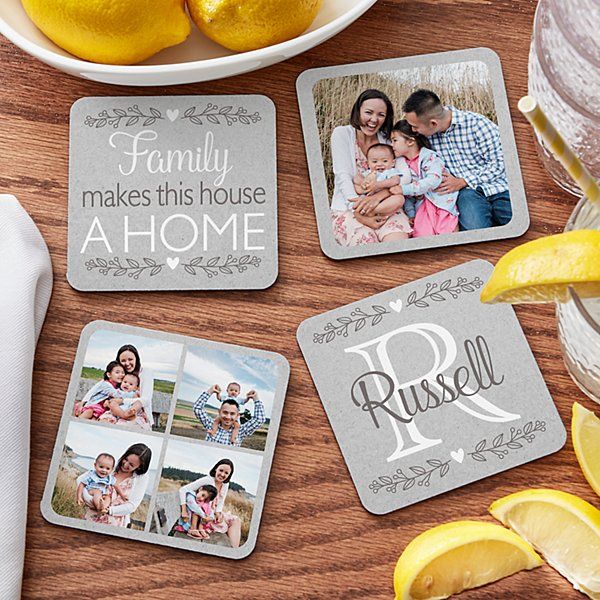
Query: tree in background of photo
464, 85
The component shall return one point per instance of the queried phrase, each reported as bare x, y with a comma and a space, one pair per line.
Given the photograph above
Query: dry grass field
466, 86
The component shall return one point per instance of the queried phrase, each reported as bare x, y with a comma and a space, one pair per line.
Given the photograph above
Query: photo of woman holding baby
198, 517
124, 493
357, 148
206, 494
106, 475
126, 391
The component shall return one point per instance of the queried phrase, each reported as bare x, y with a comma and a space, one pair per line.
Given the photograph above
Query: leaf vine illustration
215, 266
132, 116
500, 446
356, 321
216, 115
443, 292
131, 267
420, 476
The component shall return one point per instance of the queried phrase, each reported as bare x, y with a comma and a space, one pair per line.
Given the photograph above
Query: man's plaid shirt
472, 150
223, 436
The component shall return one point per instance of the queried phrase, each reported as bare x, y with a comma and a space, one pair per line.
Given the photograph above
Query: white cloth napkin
25, 288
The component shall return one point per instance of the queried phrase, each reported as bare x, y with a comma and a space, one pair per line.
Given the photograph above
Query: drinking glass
579, 319
564, 67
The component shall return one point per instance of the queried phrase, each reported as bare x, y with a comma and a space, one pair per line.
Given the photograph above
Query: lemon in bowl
120, 32
244, 25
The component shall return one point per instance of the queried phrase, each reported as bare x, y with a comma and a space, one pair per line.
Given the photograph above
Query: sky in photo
159, 355
205, 367
87, 439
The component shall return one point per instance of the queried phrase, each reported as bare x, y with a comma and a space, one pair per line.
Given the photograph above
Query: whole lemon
118, 32
244, 25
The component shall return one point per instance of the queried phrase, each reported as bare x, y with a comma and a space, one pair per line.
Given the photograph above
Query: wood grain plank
336, 550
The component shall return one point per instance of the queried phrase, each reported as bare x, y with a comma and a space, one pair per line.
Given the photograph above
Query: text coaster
432, 389
172, 193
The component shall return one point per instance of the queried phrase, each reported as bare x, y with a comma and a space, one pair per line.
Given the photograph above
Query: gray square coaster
320, 100
172, 193
431, 389
178, 372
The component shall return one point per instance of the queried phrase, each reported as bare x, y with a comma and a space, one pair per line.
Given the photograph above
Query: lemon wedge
543, 270
585, 431
458, 556
564, 528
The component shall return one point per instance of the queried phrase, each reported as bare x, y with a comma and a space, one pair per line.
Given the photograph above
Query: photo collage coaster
166, 439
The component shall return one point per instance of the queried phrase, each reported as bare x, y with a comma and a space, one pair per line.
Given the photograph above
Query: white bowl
196, 59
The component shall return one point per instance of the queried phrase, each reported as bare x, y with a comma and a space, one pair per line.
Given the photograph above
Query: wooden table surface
316, 541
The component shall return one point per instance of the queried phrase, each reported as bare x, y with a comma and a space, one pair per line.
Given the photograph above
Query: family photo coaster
432, 389
411, 153
172, 193
166, 439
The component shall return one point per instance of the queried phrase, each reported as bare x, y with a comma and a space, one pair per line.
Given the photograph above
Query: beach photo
127, 380
225, 397
206, 493
106, 475
411, 157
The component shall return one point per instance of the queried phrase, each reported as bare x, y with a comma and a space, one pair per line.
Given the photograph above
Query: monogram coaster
172, 193
432, 389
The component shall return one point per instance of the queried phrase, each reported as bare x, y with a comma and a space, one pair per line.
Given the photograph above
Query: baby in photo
385, 170
115, 385
95, 486
200, 507
233, 391
128, 394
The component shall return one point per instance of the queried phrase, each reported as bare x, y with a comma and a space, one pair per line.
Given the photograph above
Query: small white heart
172, 115
397, 305
458, 456
173, 262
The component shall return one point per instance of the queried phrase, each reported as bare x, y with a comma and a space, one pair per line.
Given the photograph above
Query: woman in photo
131, 475
219, 477
142, 418
371, 121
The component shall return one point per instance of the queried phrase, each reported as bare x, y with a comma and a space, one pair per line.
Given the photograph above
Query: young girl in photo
200, 506
94, 404
433, 213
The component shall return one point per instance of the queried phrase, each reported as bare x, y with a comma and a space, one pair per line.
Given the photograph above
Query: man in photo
469, 144
228, 431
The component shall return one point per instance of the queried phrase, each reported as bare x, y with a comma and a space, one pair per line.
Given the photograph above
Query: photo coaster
170, 193
154, 422
431, 390
478, 146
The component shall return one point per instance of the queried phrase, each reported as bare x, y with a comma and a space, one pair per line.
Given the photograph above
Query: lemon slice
564, 528
585, 431
458, 556
543, 270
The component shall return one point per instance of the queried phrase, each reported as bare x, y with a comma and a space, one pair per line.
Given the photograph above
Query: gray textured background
94, 166
366, 448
